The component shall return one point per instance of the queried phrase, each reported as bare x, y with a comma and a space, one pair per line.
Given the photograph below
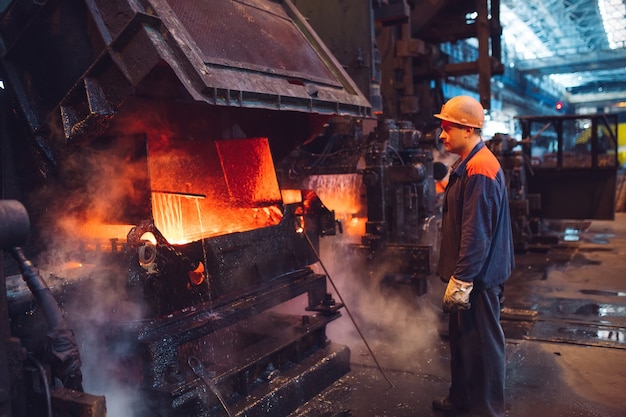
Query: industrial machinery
381, 179
172, 155
144, 138
574, 163
564, 168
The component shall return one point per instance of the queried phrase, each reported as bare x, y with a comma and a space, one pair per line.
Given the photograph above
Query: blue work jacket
476, 237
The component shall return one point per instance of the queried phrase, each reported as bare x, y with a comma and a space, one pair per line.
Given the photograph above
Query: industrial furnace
145, 135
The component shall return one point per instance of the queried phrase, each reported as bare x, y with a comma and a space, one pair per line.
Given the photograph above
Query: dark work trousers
477, 355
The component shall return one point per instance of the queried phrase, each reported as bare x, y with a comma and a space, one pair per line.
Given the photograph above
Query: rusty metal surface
244, 54
246, 50
251, 35
68, 402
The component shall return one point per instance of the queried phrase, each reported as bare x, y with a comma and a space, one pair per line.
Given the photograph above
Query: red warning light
559, 105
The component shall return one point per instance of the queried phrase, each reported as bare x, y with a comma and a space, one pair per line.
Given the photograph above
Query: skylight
614, 18
522, 42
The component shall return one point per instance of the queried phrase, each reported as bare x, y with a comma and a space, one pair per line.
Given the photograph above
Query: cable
371, 352
44, 381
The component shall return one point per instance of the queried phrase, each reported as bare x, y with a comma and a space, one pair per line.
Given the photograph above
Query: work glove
457, 295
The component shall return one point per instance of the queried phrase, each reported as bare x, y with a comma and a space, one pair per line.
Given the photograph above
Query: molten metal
211, 188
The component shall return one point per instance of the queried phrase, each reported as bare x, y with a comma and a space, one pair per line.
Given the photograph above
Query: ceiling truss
573, 33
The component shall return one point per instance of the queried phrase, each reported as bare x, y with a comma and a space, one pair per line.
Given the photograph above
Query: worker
476, 257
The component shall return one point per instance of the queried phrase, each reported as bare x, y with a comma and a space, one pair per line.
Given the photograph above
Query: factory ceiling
578, 44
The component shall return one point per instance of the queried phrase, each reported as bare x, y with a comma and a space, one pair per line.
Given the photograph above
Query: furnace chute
154, 126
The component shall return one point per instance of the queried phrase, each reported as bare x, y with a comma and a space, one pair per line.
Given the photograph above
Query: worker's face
454, 137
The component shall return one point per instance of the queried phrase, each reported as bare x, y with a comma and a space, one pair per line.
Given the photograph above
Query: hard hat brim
458, 122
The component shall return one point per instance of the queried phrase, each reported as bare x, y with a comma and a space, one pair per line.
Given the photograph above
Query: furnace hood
77, 61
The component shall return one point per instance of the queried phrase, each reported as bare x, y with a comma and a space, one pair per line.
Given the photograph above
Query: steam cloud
399, 326
77, 224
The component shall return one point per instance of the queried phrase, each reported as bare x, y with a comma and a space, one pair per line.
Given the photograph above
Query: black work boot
444, 404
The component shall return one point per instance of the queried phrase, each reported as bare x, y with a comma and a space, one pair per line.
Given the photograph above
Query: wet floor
564, 316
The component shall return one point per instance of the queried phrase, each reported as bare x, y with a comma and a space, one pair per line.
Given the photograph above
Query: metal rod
356, 326
180, 193
198, 368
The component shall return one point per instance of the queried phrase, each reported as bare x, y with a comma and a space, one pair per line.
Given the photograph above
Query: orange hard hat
463, 110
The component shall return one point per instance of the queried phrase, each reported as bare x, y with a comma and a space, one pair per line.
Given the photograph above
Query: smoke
102, 309
398, 324
102, 316
391, 317
84, 217
84, 214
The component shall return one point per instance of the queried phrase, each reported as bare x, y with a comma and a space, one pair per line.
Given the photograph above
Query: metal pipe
39, 289
44, 382
14, 224
14, 228
62, 348
198, 368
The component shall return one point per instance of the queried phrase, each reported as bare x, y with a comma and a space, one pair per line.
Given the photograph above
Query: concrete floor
564, 317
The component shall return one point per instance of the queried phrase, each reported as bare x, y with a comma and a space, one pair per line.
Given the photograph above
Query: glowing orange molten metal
207, 188
196, 277
342, 193
291, 196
